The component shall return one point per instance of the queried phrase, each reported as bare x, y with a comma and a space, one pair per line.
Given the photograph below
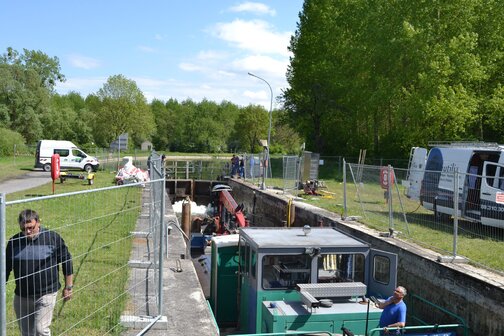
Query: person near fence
234, 165
241, 170
394, 311
35, 255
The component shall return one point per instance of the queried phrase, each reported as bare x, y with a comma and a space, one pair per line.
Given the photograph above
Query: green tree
22, 101
68, 119
10, 139
26, 83
388, 75
48, 68
165, 122
122, 109
251, 126
284, 139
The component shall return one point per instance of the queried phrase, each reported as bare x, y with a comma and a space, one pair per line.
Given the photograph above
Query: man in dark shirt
35, 255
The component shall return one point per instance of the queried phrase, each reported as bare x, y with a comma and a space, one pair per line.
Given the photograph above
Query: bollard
186, 217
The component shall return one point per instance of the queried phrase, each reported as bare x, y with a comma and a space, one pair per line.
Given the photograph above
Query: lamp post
265, 171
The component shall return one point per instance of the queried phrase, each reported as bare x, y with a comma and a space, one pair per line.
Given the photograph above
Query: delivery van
71, 157
479, 168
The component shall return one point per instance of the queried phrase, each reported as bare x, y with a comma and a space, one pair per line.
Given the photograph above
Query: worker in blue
35, 255
394, 311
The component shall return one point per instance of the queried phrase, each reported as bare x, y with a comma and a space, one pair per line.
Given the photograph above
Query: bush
10, 138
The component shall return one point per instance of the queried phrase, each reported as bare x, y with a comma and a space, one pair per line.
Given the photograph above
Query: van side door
382, 273
492, 195
65, 156
416, 171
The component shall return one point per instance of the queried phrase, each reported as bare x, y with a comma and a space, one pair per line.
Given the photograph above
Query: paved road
22, 182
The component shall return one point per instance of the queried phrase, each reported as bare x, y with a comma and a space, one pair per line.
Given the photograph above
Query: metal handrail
462, 322
284, 333
429, 327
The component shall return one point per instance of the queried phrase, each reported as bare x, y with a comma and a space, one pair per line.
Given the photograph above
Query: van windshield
78, 153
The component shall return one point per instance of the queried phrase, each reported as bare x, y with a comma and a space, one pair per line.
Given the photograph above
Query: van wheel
47, 167
88, 168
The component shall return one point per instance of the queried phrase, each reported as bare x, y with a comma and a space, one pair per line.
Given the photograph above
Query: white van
480, 168
71, 157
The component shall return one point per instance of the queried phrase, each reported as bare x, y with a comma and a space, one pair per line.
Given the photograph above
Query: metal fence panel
290, 172
103, 231
430, 213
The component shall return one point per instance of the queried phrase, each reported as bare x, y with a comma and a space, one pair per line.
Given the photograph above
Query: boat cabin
268, 280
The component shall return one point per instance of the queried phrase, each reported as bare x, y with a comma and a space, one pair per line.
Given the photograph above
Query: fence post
3, 285
162, 232
389, 196
455, 211
345, 210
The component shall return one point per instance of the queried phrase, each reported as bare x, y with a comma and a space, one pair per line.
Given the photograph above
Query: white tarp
131, 174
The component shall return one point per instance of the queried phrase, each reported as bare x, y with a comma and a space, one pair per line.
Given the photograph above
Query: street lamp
265, 171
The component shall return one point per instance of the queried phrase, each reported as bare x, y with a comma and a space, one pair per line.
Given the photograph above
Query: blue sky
172, 49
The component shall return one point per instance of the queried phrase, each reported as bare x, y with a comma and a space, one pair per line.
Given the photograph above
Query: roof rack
465, 144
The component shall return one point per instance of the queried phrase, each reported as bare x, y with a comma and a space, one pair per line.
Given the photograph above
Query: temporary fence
101, 228
291, 166
462, 226
215, 168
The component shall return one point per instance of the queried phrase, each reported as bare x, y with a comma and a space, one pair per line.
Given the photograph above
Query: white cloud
146, 49
219, 74
158, 37
254, 7
83, 62
264, 64
256, 95
256, 36
190, 67
211, 55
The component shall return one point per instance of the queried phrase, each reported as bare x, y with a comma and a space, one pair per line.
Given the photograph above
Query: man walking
35, 254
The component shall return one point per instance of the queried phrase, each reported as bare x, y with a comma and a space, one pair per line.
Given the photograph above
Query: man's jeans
35, 315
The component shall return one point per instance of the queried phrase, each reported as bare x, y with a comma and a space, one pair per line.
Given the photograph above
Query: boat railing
422, 330
414, 303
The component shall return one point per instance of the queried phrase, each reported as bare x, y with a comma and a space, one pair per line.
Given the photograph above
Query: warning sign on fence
384, 178
499, 198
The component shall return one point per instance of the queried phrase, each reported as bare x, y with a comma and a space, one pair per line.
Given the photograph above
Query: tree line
31, 110
365, 74
388, 75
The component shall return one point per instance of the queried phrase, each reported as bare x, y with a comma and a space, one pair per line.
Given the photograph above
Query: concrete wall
474, 294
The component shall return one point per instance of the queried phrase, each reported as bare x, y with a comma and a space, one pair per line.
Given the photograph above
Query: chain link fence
106, 231
467, 225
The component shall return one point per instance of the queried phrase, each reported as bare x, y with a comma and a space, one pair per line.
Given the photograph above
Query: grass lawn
96, 227
11, 167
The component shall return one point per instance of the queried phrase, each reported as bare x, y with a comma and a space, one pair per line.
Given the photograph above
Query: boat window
244, 256
253, 263
340, 268
381, 269
285, 271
